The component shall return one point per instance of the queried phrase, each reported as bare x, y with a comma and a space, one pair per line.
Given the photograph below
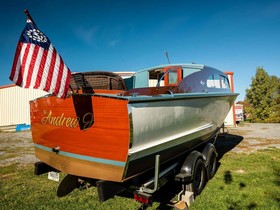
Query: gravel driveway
17, 147
249, 137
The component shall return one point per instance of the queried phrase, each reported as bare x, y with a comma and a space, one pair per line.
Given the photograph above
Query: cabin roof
186, 65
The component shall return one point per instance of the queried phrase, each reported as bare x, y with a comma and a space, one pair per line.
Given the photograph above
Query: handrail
171, 69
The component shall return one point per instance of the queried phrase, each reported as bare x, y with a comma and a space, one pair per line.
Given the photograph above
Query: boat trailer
198, 167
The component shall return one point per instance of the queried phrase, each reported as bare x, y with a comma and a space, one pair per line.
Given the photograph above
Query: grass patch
21, 189
243, 181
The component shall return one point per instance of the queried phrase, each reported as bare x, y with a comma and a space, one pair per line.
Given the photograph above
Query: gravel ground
250, 137
17, 147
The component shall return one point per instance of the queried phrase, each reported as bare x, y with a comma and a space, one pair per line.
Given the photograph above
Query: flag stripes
38, 65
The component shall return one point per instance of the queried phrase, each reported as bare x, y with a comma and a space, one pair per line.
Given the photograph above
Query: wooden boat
109, 128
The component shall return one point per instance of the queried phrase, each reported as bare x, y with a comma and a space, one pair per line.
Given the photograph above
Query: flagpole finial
29, 16
26, 11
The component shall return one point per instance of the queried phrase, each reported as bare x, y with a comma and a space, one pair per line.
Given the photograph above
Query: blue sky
131, 35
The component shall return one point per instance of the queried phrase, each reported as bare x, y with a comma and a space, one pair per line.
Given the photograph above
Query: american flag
37, 65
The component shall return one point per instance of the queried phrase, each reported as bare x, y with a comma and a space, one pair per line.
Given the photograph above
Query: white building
230, 119
14, 105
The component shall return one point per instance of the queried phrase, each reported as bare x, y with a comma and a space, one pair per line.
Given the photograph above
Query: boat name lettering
69, 122
87, 120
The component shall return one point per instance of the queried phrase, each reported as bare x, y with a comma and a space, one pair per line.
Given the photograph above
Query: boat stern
84, 135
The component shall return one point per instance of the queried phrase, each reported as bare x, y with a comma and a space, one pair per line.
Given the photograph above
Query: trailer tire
211, 164
210, 156
199, 177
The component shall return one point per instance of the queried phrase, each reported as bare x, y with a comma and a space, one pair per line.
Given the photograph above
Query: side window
154, 76
172, 77
217, 81
210, 81
224, 82
213, 81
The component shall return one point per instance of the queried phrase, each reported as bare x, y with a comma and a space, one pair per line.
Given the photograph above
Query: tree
262, 98
275, 109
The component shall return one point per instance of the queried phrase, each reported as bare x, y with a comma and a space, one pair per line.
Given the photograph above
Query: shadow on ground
226, 142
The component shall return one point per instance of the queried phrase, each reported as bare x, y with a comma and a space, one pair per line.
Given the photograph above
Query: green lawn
243, 181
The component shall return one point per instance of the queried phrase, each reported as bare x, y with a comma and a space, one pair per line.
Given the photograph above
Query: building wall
14, 104
230, 119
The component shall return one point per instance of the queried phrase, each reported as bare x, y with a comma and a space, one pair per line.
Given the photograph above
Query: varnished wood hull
91, 135
114, 138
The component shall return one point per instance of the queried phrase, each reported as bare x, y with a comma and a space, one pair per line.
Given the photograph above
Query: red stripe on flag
31, 66
67, 83
22, 68
41, 69
59, 76
51, 69
15, 63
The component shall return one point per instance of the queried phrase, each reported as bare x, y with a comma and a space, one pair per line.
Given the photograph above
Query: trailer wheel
199, 177
211, 163
210, 156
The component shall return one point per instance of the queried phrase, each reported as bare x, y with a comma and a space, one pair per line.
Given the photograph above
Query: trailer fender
193, 173
187, 170
210, 157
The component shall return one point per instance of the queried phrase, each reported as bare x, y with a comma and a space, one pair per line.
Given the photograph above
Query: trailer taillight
143, 198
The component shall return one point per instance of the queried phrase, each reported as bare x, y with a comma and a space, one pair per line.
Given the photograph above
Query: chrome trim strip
83, 157
168, 139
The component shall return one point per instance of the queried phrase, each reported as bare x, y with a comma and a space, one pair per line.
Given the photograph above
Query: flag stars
37, 35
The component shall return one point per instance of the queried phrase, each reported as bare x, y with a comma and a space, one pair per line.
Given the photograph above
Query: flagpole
29, 16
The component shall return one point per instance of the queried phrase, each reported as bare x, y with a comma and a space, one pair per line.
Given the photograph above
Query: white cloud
86, 34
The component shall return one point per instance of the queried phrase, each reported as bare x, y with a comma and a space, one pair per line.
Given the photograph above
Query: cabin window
210, 81
217, 81
172, 77
224, 82
213, 81
141, 79
154, 76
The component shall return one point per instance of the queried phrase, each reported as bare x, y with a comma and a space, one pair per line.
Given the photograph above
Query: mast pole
166, 54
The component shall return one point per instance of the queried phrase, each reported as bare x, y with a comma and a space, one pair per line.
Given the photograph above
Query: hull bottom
79, 167
172, 154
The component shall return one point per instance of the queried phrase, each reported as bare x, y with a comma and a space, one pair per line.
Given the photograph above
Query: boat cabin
181, 78
164, 79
